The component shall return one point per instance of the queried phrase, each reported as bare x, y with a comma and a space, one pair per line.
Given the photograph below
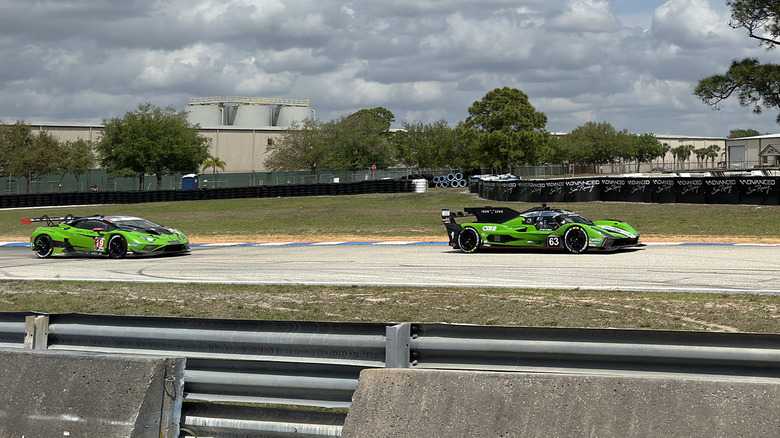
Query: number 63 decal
553, 241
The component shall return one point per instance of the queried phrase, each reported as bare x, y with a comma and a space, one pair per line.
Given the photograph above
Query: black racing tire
43, 246
575, 240
117, 247
468, 239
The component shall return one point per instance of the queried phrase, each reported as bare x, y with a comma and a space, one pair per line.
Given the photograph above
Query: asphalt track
712, 268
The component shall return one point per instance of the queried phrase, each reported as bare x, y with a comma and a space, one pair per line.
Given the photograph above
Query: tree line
146, 141
31, 155
503, 130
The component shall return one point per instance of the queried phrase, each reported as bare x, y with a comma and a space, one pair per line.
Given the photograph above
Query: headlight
149, 239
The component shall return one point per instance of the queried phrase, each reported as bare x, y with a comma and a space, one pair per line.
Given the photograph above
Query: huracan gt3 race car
538, 227
112, 236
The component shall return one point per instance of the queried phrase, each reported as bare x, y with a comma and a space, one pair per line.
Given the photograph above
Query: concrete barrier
55, 394
433, 403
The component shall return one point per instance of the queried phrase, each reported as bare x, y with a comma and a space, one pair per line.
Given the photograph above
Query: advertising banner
555, 191
509, 190
533, 191
663, 190
690, 190
612, 189
583, 190
638, 190
758, 190
721, 190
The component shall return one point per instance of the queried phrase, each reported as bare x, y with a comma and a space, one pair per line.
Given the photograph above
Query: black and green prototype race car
112, 236
538, 227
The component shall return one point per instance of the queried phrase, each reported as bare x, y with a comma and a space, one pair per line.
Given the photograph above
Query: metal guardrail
317, 364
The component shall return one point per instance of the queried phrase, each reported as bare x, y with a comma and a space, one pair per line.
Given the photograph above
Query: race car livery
111, 236
538, 227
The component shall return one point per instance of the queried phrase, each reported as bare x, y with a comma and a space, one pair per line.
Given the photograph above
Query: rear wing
50, 221
496, 215
448, 217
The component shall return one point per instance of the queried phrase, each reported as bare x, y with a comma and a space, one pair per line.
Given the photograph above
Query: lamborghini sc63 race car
112, 236
538, 227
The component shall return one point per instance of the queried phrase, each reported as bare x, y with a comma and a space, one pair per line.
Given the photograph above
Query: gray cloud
632, 64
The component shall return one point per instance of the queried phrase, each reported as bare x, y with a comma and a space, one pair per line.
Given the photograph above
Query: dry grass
541, 308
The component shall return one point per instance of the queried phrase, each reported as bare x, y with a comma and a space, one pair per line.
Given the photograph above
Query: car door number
100, 243
553, 241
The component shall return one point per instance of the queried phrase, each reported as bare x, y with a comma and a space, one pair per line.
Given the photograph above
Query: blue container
189, 182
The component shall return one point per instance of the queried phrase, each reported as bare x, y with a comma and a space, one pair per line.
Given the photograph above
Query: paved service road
694, 268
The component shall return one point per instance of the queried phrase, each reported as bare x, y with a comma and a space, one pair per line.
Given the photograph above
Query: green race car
538, 227
112, 236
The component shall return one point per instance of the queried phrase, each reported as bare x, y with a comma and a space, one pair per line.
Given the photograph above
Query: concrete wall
54, 394
432, 403
242, 150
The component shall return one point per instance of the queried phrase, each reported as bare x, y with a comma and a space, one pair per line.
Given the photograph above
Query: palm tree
712, 152
213, 162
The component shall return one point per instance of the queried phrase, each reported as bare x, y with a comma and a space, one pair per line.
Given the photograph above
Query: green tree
213, 163
713, 152
7, 146
701, 156
753, 83
739, 133
682, 153
26, 154
503, 129
154, 141
426, 145
359, 140
665, 148
596, 143
302, 147
646, 148
78, 158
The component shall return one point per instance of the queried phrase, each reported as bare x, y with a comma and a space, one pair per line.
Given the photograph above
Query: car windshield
579, 220
136, 223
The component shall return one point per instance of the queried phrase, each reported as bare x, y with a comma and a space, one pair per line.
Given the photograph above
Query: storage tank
228, 114
289, 113
253, 116
205, 115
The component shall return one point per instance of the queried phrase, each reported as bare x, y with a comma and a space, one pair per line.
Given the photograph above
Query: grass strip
399, 216
482, 306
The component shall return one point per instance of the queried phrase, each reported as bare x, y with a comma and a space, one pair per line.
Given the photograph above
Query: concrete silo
247, 112
205, 115
288, 114
253, 116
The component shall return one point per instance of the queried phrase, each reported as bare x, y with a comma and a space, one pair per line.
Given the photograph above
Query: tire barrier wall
709, 190
325, 189
450, 180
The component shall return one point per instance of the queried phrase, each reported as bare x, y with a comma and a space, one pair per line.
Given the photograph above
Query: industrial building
241, 128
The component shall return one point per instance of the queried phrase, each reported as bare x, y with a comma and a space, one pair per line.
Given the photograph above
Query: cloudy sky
632, 63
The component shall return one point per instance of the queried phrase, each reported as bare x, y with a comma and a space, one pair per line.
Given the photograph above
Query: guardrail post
397, 345
36, 332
